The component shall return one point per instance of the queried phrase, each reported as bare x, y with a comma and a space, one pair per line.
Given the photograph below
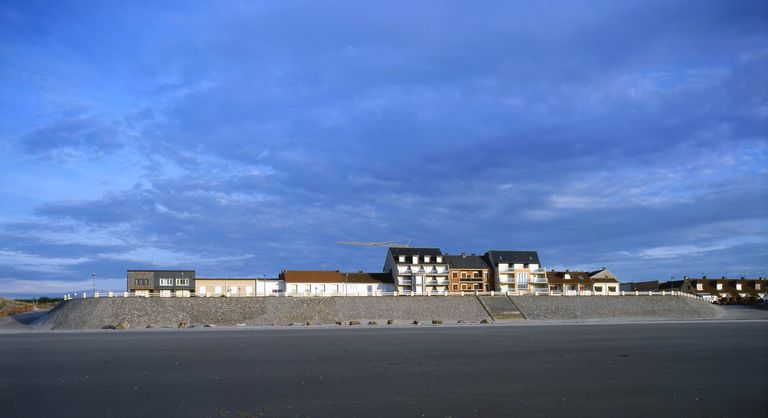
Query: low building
335, 283
468, 273
417, 270
569, 283
648, 286
163, 283
605, 282
237, 286
517, 271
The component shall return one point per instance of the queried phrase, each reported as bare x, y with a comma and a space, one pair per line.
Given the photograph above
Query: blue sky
242, 138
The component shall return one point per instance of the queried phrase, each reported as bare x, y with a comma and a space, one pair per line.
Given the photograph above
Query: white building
335, 283
517, 271
417, 270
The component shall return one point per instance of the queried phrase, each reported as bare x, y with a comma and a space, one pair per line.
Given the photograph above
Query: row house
468, 273
723, 290
335, 283
237, 286
517, 271
417, 270
599, 282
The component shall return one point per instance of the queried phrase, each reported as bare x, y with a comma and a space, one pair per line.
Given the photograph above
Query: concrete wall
140, 312
614, 307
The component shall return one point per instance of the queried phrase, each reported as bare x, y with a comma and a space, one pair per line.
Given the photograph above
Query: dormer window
719, 286
415, 259
426, 259
439, 259
699, 287
567, 276
401, 259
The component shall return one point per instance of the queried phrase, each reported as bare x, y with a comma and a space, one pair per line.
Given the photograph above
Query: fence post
492, 293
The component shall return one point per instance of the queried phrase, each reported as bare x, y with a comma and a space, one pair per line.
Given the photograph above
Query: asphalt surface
679, 369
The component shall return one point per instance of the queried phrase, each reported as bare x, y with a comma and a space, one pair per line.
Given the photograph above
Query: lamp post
94, 283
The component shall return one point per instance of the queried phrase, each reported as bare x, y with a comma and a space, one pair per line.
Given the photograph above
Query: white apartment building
417, 270
517, 271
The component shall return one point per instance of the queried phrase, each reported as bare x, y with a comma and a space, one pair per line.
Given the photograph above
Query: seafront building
469, 273
335, 283
517, 271
417, 270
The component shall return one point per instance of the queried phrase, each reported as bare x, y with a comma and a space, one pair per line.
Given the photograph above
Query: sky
239, 139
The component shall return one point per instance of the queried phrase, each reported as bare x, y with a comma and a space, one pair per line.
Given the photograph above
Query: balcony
539, 271
431, 282
443, 282
539, 280
404, 282
471, 279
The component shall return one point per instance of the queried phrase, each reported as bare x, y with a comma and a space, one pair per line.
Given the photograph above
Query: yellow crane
390, 244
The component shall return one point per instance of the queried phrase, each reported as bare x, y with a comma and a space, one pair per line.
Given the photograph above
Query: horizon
241, 139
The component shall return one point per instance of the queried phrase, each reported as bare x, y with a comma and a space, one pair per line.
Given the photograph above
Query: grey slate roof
473, 262
520, 257
414, 251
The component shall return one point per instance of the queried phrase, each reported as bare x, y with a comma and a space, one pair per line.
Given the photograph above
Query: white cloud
22, 261
12, 286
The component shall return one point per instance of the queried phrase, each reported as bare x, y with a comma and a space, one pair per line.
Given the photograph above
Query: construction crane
390, 244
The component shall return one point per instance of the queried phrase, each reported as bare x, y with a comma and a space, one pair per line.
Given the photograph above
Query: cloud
82, 135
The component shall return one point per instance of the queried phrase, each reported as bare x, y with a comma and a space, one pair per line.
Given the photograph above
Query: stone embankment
615, 307
170, 312
162, 312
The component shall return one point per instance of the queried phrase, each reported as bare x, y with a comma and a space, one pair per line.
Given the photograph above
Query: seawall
159, 312
169, 312
615, 307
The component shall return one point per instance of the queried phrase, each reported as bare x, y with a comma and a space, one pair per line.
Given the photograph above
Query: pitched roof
519, 257
398, 251
312, 276
464, 261
367, 277
558, 277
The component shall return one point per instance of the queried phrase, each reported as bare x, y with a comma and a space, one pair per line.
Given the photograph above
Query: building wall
156, 277
213, 287
459, 283
336, 289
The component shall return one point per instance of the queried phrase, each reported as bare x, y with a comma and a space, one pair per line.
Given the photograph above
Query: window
463, 274
166, 282
455, 287
217, 290
201, 290
439, 259
719, 286
598, 288
699, 287
757, 286
455, 275
738, 286
248, 290
477, 275
295, 288
182, 282
567, 276
233, 290
141, 282
522, 280
415, 259
426, 259
611, 288
401, 259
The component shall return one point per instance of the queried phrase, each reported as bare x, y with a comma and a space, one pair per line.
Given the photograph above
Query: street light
94, 283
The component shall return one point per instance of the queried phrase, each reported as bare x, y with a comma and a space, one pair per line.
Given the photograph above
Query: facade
335, 283
517, 271
164, 283
417, 270
569, 282
605, 283
468, 273
722, 290
234, 287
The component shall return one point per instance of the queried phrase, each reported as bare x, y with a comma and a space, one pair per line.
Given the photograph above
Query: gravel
614, 307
